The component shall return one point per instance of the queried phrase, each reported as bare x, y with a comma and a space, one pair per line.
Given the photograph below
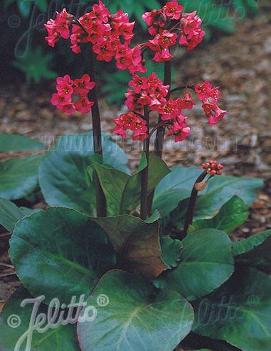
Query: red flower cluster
213, 167
58, 28
191, 31
150, 92
130, 121
72, 95
210, 95
170, 24
109, 34
146, 91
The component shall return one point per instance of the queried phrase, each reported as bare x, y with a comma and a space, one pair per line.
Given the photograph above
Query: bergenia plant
140, 261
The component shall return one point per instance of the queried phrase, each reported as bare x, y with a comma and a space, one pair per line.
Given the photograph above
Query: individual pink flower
169, 110
160, 45
179, 129
64, 86
155, 21
212, 167
191, 32
83, 105
213, 112
206, 90
173, 10
186, 102
130, 121
83, 85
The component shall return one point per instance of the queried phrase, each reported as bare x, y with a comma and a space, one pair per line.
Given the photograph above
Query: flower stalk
160, 135
97, 143
144, 208
198, 186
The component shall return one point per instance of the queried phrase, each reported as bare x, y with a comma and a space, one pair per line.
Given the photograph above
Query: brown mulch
240, 64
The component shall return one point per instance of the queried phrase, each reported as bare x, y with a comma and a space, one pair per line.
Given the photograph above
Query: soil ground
239, 63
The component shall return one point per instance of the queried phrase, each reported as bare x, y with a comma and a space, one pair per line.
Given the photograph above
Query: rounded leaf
134, 318
15, 323
239, 312
206, 263
63, 175
58, 253
18, 177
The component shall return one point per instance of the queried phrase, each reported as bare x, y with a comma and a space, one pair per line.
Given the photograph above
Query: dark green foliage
35, 64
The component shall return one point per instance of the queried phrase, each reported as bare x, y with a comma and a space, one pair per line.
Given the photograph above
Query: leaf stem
192, 203
144, 208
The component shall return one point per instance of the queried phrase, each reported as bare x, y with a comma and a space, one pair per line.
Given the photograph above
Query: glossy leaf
58, 338
175, 187
136, 242
206, 263
64, 178
135, 317
10, 214
219, 191
59, 253
19, 177
123, 191
15, 142
233, 214
254, 250
157, 171
239, 312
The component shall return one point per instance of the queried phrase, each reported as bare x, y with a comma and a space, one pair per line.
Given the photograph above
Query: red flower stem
159, 141
97, 143
144, 208
192, 204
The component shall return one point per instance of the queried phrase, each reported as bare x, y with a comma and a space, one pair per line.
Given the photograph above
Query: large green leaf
221, 189
15, 323
239, 312
123, 191
19, 177
59, 252
113, 182
135, 317
233, 214
15, 142
177, 186
136, 242
173, 188
254, 250
206, 263
64, 179
10, 214
157, 171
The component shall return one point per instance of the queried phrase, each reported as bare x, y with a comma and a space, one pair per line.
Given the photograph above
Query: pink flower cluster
130, 121
210, 95
72, 95
58, 28
212, 167
109, 34
151, 93
169, 25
